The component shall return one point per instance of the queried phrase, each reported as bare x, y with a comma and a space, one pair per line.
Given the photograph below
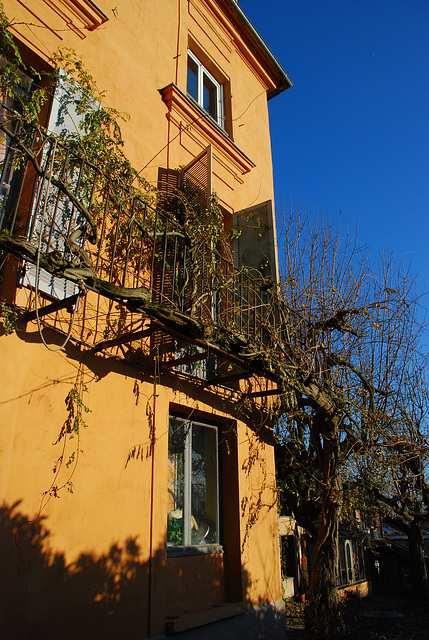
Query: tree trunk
419, 574
321, 612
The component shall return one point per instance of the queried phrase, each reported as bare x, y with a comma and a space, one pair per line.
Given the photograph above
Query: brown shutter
10, 171
196, 180
168, 182
196, 184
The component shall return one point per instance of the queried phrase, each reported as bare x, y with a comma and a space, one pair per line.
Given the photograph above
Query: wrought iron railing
60, 202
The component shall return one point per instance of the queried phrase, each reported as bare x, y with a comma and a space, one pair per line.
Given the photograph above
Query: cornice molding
79, 16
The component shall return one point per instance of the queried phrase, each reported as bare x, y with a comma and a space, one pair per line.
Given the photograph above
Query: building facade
297, 555
138, 473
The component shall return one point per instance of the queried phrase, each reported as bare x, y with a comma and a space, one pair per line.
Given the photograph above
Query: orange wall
83, 548
113, 502
139, 51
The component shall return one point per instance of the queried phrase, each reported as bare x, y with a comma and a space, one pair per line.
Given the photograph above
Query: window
193, 494
205, 90
351, 561
10, 172
53, 216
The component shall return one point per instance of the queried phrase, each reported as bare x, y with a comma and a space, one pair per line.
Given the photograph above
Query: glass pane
204, 528
176, 484
192, 83
349, 563
209, 97
342, 563
9, 171
358, 561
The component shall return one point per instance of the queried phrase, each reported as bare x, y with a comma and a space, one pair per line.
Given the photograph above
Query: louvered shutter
197, 180
10, 171
168, 182
168, 248
196, 184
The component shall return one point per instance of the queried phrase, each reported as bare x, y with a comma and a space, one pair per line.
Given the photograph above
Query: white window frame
201, 72
187, 542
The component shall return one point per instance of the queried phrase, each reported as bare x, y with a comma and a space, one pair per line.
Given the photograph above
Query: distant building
297, 555
390, 563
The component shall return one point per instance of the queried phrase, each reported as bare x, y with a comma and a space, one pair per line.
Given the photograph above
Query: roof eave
284, 81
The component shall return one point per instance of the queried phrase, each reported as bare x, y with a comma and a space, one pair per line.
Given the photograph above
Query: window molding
194, 551
192, 121
84, 11
247, 41
78, 16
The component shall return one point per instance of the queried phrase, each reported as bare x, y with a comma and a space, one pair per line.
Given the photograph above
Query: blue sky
352, 135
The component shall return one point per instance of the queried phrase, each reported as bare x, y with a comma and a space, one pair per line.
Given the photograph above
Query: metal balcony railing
60, 202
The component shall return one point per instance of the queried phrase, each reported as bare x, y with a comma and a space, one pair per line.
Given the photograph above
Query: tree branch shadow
43, 596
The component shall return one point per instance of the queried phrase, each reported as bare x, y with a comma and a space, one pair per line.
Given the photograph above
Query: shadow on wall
103, 596
98, 596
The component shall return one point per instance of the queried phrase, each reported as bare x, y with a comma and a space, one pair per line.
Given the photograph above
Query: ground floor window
193, 483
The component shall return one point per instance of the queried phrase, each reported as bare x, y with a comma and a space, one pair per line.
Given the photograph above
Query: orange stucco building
160, 515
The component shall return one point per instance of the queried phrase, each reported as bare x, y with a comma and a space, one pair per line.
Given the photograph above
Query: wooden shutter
167, 249
168, 182
197, 186
10, 172
196, 180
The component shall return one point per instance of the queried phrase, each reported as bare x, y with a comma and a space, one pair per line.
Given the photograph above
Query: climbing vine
8, 317
71, 430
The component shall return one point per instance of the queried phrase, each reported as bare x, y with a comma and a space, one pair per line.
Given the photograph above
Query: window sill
203, 549
187, 114
207, 116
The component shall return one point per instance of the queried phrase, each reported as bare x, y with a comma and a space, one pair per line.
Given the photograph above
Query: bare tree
392, 474
350, 330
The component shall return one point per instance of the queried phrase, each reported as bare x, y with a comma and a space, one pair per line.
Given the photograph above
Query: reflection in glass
204, 485
176, 486
209, 97
192, 81
192, 511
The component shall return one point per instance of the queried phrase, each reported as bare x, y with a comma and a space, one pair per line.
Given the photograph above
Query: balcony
145, 283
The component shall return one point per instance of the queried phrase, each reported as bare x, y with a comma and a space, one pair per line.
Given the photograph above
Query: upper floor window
205, 90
